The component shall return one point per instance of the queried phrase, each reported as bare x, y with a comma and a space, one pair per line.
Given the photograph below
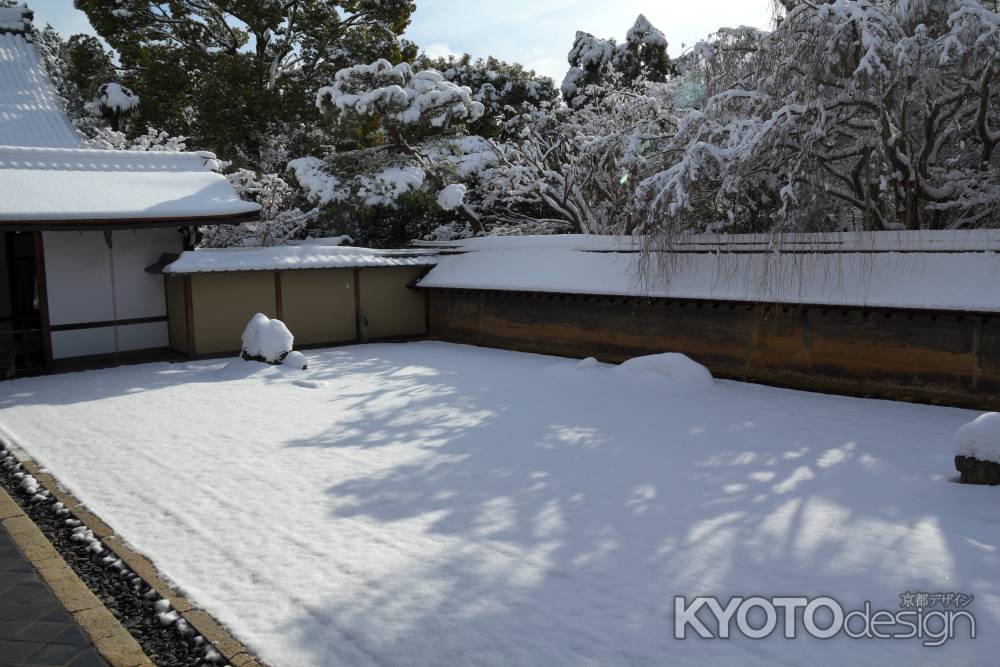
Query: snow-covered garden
435, 504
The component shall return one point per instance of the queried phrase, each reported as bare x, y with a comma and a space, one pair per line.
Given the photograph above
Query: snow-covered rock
295, 360
980, 438
266, 339
672, 365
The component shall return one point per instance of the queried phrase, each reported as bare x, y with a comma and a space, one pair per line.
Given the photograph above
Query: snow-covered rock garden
429, 504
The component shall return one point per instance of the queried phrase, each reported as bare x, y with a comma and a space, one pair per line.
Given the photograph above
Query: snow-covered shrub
154, 141
674, 365
280, 221
266, 340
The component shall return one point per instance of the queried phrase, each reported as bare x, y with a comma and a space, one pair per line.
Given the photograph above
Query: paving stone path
35, 630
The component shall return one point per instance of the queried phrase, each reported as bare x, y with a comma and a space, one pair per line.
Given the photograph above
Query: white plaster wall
85, 342
78, 279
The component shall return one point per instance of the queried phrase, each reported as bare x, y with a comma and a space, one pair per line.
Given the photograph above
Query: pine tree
232, 74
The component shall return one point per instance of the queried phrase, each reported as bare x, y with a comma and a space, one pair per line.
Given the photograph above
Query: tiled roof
30, 111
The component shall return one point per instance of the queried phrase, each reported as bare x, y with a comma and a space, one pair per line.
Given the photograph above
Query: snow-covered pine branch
407, 105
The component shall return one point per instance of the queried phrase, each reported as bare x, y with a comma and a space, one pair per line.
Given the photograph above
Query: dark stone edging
166, 638
975, 471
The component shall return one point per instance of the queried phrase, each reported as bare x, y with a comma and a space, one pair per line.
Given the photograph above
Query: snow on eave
91, 159
289, 258
56, 187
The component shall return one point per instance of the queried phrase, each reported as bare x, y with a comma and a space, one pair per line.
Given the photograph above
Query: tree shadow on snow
552, 518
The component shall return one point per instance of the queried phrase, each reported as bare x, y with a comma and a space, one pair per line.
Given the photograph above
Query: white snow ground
434, 504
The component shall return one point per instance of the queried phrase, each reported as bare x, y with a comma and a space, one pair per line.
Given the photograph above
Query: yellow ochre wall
393, 310
222, 305
317, 305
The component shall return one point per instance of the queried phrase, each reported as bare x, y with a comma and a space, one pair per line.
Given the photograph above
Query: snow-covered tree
575, 167
233, 74
504, 89
851, 114
576, 170
115, 101
412, 119
597, 64
280, 221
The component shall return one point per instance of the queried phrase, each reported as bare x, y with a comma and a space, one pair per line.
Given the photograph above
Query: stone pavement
35, 630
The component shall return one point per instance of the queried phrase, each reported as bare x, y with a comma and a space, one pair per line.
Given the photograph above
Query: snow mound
980, 438
295, 360
672, 365
267, 340
589, 362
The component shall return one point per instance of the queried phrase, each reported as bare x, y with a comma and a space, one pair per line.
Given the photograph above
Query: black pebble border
166, 639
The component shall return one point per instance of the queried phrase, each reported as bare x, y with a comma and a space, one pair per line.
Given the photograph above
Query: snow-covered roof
48, 182
15, 19
53, 187
965, 281
30, 111
284, 258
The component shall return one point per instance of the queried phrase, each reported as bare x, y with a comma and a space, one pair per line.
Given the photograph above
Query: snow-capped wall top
894, 241
283, 258
15, 19
30, 112
963, 281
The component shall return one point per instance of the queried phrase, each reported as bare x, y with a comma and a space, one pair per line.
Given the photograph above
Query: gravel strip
166, 639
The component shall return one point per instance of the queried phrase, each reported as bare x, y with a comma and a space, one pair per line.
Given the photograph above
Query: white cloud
438, 50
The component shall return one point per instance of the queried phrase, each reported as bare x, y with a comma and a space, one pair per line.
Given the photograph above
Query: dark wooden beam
105, 224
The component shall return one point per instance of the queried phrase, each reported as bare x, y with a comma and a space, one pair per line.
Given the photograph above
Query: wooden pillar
279, 310
357, 305
189, 317
43, 297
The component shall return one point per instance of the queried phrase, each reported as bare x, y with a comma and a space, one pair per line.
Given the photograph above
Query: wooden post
279, 310
43, 297
189, 317
357, 305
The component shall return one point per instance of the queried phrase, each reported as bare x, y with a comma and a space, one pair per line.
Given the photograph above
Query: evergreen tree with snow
233, 76
504, 89
597, 63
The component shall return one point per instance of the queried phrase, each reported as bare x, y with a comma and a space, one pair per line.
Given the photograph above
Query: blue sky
536, 33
